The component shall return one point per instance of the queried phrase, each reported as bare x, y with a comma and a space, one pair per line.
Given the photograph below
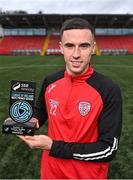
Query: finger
31, 138
21, 137
7, 119
29, 141
32, 142
35, 121
37, 124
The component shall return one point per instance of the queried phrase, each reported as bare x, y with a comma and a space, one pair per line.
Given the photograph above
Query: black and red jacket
84, 120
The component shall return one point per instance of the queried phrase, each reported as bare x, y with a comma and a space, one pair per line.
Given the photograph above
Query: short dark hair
76, 23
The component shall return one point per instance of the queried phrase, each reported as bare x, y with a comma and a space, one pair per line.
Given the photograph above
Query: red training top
84, 120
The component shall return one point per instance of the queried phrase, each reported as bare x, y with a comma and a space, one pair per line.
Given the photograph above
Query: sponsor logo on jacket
51, 88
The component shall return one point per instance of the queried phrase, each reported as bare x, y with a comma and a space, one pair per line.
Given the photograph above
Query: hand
37, 141
35, 121
7, 119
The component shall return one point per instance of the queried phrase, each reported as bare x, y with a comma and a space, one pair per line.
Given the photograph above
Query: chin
77, 72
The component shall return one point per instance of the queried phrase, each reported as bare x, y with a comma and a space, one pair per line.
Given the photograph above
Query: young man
84, 112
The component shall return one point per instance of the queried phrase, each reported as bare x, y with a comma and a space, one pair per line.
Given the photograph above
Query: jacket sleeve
109, 129
40, 111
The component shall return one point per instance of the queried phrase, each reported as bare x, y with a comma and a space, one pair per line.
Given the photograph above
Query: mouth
76, 63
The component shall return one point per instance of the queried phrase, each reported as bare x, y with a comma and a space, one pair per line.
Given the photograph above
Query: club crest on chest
84, 107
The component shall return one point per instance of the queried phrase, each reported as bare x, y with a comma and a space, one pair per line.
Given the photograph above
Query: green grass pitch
17, 161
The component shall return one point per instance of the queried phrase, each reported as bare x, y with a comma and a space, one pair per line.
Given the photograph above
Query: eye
85, 45
69, 45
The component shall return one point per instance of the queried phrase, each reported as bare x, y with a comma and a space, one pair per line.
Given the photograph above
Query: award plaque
21, 106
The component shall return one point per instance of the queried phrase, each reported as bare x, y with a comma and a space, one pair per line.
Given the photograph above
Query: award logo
21, 108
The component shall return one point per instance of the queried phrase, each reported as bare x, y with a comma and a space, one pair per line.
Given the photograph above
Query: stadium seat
115, 45
17, 45
53, 46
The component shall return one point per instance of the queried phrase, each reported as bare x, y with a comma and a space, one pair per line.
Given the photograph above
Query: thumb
36, 121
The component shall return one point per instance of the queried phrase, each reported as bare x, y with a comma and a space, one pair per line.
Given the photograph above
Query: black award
21, 106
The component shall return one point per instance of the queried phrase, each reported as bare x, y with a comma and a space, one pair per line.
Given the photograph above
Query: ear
94, 49
61, 47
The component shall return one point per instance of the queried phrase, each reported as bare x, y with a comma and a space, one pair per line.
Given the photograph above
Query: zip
69, 94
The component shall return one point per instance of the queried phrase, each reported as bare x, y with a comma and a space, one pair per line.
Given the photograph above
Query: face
77, 46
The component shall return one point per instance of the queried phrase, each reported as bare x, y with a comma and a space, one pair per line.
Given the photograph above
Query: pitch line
30, 66
56, 65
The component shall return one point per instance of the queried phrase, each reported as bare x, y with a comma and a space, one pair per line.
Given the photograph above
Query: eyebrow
81, 45
69, 44
85, 44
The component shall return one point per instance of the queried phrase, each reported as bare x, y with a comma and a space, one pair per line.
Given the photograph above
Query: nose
76, 53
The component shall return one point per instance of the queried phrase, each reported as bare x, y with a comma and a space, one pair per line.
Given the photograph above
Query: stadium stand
46, 43
49, 45
21, 45
53, 46
115, 45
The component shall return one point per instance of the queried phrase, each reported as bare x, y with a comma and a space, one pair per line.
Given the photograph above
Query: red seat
10, 43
